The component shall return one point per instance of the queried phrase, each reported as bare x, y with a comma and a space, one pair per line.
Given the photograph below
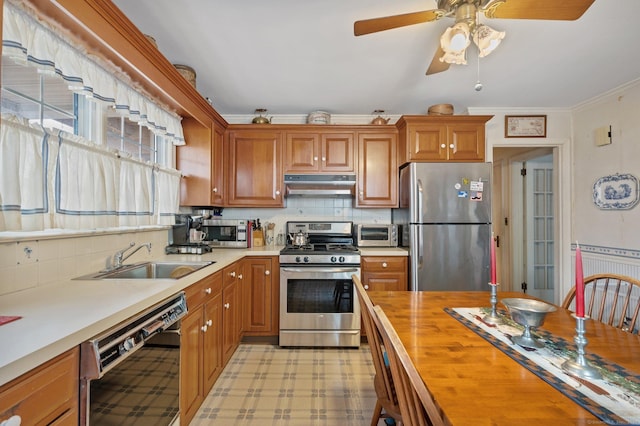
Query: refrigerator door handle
417, 262
419, 198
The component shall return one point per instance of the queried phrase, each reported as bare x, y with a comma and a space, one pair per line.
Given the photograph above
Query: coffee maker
180, 241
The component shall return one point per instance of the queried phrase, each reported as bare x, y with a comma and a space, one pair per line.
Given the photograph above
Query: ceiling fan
455, 40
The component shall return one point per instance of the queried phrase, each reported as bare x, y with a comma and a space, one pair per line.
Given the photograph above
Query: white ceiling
295, 57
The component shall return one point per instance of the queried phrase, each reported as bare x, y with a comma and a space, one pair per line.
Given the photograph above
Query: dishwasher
130, 374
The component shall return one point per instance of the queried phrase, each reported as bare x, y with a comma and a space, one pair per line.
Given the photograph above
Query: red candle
493, 260
579, 284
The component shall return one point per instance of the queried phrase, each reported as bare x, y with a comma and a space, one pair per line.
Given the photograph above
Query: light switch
603, 136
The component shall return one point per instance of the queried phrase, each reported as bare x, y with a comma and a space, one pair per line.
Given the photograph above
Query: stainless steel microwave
225, 232
375, 235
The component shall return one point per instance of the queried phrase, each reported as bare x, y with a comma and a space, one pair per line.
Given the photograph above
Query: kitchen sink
148, 271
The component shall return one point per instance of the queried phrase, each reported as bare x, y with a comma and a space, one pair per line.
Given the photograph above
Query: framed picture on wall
525, 126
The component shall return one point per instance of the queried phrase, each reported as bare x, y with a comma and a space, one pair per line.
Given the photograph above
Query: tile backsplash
30, 263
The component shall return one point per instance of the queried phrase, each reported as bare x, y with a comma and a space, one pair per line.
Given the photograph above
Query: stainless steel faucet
119, 256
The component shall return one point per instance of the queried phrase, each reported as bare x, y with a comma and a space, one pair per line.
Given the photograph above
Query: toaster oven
376, 235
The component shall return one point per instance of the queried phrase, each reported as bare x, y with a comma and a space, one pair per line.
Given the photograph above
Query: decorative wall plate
616, 192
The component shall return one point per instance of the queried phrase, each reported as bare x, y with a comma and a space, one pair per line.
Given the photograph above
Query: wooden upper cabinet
201, 162
377, 169
255, 173
319, 152
442, 138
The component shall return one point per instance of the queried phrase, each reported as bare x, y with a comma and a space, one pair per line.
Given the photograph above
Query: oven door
318, 306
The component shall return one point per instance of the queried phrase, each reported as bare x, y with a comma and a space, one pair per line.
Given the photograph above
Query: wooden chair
610, 298
387, 403
416, 403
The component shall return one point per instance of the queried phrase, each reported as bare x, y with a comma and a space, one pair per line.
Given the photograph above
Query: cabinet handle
207, 290
384, 264
232, 274
227, 305
215, 189
366, 286
443, 146
451, 146
209, 323
267, 272
204, 328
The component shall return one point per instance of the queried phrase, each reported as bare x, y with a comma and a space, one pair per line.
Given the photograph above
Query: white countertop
58, 317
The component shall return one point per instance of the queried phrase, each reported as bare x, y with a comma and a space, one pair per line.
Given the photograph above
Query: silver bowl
528, 313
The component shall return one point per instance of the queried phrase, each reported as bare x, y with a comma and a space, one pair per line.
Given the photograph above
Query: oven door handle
319, 269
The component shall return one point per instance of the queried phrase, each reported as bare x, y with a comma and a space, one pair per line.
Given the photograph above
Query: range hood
327, 186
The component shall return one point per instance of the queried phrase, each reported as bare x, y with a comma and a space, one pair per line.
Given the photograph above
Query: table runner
614, 399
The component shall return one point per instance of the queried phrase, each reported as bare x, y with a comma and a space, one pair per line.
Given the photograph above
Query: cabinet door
255, 169
377, 170
259, 305
428, 142
201, 162
191, 378
466, 142
229, 321
301, 152
212, 353
337, 152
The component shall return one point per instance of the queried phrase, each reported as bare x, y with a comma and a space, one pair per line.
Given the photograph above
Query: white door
538, 241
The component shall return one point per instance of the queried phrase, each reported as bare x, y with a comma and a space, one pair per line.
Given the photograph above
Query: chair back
385, 390
610, 298
416, 403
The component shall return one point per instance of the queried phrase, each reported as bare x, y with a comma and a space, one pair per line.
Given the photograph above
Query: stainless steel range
317, 298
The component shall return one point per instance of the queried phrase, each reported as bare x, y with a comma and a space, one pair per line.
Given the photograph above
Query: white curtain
53, 179
26, 40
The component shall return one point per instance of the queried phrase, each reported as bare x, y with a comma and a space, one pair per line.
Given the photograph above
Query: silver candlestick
580, 366
493, 317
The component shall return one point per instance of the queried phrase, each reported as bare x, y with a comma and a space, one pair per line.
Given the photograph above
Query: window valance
25, 39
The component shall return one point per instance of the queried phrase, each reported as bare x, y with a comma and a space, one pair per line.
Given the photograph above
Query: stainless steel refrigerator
445, 221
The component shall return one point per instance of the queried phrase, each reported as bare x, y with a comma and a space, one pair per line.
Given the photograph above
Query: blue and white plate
616, 192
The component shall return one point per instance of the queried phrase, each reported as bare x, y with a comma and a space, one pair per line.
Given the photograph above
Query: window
47, 100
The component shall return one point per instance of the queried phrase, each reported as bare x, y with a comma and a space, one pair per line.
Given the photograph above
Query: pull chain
478, 86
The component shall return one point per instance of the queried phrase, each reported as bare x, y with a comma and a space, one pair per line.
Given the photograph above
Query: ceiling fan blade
437, 65
566, 10
374, 25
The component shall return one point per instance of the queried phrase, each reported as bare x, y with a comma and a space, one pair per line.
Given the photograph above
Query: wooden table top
477, 384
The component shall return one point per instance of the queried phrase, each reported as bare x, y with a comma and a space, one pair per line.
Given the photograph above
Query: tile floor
264, 384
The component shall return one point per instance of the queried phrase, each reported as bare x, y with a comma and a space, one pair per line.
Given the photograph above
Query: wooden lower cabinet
200, 344
260, 296
231, 309
46, 395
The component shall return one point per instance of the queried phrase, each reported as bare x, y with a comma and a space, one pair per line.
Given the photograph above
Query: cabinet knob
324, 158
215, 189
451, 146
267, 272
207, 290
315, 158
209, 323
239, 276
366, 286
204, 328
227, 305
12, 421
443, 145
277, 192
384, 264
233, 274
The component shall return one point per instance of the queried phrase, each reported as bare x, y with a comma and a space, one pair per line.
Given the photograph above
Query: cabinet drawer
384, 264
204, 289
47, 393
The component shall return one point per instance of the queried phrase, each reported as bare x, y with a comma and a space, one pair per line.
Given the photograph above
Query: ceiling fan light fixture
487, 39
455, 39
